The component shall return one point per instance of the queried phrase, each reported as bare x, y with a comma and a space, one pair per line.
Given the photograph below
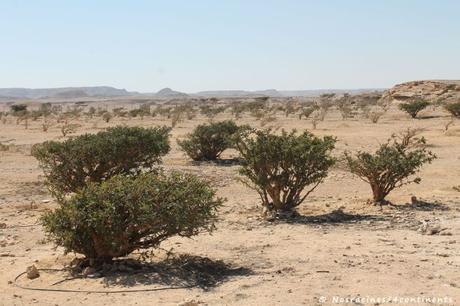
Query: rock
2, 225
430, 90
32, 272
94, 275
88, 271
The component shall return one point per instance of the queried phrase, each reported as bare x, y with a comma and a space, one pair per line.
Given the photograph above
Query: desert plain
340, 247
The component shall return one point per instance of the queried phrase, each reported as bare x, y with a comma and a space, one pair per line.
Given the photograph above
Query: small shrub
107, 117
290, 108
392, 165
71, 164
307, 111
373, 114
123, 214
280, 167
46, 124
69, 128
211, 111
414, 107
453, 109
345, 106
4, 147
18, 109
208, 141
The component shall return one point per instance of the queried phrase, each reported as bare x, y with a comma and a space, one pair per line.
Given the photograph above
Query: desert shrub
280, 167
46, 124
114, 218
4, 147
345, 106
211, 111
392, 165
267, 118
120, 112
70, 165
18, 109
45, 110
208, 141
107, 117
373, 113
414, 107
453, 109
69, 128
290, 108
307, 111
91, 112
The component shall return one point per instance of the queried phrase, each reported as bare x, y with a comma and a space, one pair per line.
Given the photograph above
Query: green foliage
18, 109
208, 141
453, 108
107, 117
280, 167
392, 165
211, 111
45, 109
414, 107
114, 218
307, 111
71, 164
143, 110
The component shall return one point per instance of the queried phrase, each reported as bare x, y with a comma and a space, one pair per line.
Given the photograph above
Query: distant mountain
107, 91
238, 93
317, 92
169, 93
281, 93
65, 92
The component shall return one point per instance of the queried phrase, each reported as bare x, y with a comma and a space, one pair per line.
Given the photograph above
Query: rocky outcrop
436, 90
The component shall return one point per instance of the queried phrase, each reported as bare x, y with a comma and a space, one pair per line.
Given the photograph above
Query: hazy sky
227, 44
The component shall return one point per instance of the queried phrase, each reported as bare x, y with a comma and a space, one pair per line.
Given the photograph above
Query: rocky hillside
431, 90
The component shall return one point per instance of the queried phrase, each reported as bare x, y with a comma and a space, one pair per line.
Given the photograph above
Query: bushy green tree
453, 109
414, 107
18, 109
70, 165
208, 141
392, 165
112, 219
281, 167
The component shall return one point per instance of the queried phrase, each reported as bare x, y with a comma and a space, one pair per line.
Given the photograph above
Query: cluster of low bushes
114, 198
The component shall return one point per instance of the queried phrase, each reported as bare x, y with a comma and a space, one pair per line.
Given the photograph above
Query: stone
88, 271
32, 272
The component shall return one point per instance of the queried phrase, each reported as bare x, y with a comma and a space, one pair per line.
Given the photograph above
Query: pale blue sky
234, 44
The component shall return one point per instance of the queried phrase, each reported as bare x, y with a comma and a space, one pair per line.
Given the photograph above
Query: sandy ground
325, 256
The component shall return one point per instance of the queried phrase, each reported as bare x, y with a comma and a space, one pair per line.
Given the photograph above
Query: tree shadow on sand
183, 271
335, 217
229, 162
419, 205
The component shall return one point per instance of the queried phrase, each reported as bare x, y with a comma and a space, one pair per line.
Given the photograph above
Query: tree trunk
378, 194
